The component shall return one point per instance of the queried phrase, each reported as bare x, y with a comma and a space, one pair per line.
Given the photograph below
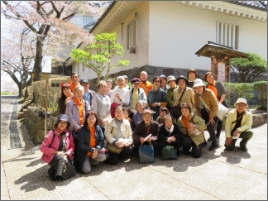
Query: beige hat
147, 111
170, 78
241, 100
198, 82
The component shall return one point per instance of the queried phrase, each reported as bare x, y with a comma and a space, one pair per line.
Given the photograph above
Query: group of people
110, 124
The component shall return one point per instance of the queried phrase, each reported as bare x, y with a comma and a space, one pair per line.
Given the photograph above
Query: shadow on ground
235, 156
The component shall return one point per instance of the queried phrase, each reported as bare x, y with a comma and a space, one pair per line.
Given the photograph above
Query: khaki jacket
188, 97
246, 122
200, 125
210, 100
111, 131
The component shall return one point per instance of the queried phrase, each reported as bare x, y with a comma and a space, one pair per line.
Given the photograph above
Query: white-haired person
120, 94
238, 125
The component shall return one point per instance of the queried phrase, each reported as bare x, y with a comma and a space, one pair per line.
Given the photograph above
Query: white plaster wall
176, 32
141, 57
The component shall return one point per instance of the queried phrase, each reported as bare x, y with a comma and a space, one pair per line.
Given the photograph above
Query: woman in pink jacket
58, 148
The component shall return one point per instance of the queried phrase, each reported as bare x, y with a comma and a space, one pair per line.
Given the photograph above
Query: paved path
216, 175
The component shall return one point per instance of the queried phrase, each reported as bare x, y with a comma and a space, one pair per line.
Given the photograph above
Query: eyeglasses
157, 81
184, 105
93, 118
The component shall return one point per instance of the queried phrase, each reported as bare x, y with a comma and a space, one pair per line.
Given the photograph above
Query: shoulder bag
176, 110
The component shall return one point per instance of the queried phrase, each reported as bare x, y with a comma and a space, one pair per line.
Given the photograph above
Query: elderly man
237, 125
145, 84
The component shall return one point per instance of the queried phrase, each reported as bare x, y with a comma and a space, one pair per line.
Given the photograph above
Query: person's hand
191, 127
76, 130
119, 144
154, 104
172, 139
228, 141
95, 154
153, 138
118, 96
141, 140
127, 144
102, 151
168, 140
235, 133
211, 121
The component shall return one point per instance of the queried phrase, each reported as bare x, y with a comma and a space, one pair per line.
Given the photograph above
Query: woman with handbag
90, 149
182, 94
118, 134
192, 126
218, 89
169, 134
101, 105
58, 149
206, 105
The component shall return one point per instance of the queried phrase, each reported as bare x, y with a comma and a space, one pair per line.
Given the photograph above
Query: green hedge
261, 89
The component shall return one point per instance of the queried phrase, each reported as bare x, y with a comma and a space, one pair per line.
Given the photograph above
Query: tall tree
246, 70
49, 21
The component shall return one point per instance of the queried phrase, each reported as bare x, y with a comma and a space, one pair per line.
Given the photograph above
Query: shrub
261, 89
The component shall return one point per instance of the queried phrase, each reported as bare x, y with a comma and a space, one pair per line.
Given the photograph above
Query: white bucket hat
241, 100
198, 82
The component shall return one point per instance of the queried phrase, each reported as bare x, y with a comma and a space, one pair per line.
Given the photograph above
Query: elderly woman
58, 149
156, 97
101, 105
76, 110
120, 95
66, 95
118, 133
220, 93
137, 117
191, 75
137, 94
171, 80
163, 112
188, 123
90, 149
206, 105
169, 134
145, 128
183, 94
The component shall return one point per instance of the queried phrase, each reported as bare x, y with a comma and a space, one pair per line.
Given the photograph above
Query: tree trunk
38, 60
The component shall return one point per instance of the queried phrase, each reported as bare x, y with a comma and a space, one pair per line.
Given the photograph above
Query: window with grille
132, 34
227, 34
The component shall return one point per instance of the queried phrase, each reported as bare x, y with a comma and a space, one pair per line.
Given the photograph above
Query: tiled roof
259, 5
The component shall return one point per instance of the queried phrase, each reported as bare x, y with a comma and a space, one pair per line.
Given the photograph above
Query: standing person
187, 124
145, 84
74, 82
170, 94
126, 82
58, 148
156, 97
109, 87
88, 94
66, 95
144, 128
118, 132
183, 94
120, 95
191, 75
220, 93
238, 125
169, 134
101, 105
164, 85
137, 94
90, 149
206, 109
76, 110
137, 117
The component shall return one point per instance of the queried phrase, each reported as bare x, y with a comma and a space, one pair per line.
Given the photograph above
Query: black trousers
210, 127
176, 144
114, 158
188, 143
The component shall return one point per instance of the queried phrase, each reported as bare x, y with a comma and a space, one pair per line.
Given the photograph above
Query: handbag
146, 153
68, 169
176, 110
169, 153
113, 148
221, 112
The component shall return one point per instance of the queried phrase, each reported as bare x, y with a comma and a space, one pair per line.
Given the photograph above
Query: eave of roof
251, 4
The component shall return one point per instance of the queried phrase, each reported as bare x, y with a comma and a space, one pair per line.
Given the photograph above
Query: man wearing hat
88, 95
145, 128
163, 84
137, 94
237, 125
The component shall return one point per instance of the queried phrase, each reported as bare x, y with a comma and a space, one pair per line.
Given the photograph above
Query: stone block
39, 136
21, 115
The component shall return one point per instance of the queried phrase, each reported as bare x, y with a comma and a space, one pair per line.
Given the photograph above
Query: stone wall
36, 125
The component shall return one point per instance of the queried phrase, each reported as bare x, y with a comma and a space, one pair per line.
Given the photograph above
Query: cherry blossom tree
49, 22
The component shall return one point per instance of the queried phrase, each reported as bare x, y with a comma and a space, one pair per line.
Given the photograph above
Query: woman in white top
120, 95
